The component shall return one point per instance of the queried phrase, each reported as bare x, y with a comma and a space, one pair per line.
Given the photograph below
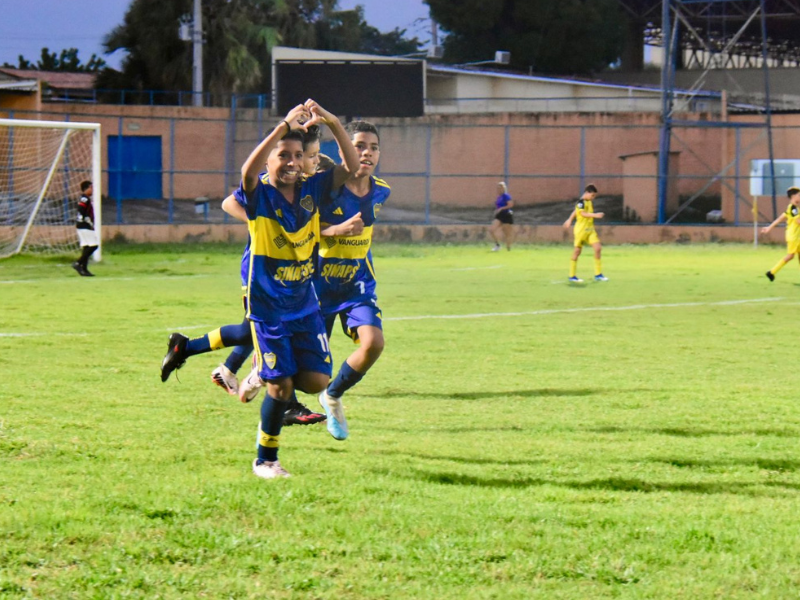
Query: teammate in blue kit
345, 282
281, 207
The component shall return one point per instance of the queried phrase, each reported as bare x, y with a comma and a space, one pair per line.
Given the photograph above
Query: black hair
311, 135
792, 191
590, 189
85, 185
296, 135
354, 127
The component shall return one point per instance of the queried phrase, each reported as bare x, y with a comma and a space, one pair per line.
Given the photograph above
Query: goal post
42, 164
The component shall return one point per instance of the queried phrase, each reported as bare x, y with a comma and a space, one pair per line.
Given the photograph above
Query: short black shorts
505, 216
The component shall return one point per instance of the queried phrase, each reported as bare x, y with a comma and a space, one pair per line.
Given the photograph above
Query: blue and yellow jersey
792, 226
283, 243
583, 224
346, 275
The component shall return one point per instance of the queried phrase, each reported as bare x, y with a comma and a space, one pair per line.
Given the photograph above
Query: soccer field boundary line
477, 268
101, 279
531, 313
557, 311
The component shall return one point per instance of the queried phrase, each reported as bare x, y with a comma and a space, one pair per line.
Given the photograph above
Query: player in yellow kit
792, 217
584, 216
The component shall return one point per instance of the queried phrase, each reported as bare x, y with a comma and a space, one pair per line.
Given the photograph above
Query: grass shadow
761, 463
462, 459
689, 432
612, 484
537, 393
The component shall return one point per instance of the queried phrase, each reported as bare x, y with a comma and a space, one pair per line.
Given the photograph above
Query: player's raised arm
349, 154
295, 119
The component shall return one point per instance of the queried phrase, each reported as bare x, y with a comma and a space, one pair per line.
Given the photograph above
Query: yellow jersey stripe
268, 238
347, 246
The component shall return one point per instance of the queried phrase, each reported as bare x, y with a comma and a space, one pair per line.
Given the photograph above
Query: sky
27, 26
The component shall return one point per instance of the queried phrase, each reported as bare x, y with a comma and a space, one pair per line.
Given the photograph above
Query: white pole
755, 221
197, 47
97, 195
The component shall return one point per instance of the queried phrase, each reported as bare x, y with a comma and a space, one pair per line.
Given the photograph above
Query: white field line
555, 311
478, 268
100, 279
558, 311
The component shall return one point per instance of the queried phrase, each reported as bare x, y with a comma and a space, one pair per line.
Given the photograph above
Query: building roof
55, 79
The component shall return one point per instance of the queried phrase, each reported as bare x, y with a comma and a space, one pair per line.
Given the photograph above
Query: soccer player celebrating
584, 233
180, 347
792, 217
345, 281
281, 207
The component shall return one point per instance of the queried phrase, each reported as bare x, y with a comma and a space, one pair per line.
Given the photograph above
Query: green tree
67, 60
565, 37
238, 39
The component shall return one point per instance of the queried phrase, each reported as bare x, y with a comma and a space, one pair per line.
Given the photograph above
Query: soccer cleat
78, 267
176, 355
337, 423
299, 414
269, 469
87, 273
250, 385
496, 248
770, 276
225, 379
600, 277
575, 280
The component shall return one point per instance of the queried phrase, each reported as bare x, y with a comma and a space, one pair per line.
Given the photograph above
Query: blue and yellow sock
270, 431
344, 380
237, 357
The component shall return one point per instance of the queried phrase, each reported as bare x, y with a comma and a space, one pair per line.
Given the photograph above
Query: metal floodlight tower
678, 16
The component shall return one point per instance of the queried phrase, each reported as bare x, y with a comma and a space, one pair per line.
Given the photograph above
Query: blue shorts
354, 317
284, 349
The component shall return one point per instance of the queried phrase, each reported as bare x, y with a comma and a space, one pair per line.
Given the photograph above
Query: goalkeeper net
42, 165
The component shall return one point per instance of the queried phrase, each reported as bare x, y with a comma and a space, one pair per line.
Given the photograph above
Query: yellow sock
573, 268
777, 267
597, 266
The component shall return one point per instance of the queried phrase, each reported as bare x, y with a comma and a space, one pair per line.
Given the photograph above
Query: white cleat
334, 411
250, 385
269, 469
225, 379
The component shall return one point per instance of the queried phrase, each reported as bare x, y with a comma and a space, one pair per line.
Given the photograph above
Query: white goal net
42, 165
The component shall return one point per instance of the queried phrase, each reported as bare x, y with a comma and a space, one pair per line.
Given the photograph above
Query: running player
281, 207
181, 347
584, 233
345, 281
792, 217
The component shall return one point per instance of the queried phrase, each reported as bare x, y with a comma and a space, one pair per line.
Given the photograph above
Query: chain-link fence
176, 164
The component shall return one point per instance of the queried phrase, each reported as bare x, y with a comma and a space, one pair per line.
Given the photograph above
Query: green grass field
519, 438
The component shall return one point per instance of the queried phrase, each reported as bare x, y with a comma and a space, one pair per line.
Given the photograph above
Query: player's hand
566, 225
353, 226
600, 215
765, 230
318, 114
299, 117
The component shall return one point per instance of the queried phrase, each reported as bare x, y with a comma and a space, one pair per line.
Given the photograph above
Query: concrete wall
538, 154
610, 235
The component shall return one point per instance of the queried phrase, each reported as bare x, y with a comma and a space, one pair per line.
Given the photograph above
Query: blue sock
199, 345
237, 357
236, 335
345, 379
271, 422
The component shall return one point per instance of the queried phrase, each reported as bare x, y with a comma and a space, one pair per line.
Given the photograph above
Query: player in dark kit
84, 225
